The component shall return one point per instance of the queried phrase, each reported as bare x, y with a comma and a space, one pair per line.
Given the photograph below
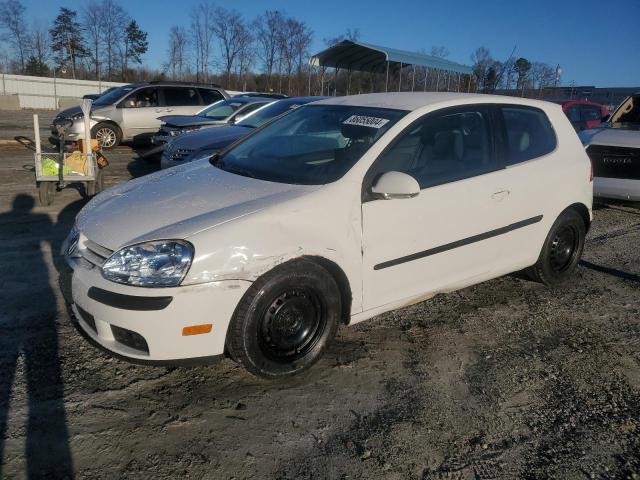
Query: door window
529, 133
209, 96
573, 112
180, 97
443, 147
145, 97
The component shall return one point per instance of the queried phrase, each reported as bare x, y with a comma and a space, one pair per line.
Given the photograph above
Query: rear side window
180, 96
209, 96
529, 133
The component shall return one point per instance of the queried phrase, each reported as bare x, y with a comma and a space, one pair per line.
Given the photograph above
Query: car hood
210, 138
70, 112
177, 203
188, 120
615, 136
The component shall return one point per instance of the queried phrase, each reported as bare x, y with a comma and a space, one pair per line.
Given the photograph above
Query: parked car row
332, 212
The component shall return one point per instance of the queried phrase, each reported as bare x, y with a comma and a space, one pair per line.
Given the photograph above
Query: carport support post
438, 81
413, 79
400, 76
426, 76
349, 82
310, 67
386, 85
335, 82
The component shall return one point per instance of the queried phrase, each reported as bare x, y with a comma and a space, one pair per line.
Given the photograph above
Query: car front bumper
617, 188
135, 324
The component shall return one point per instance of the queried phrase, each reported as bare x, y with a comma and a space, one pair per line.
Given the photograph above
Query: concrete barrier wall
9, 102
48, 92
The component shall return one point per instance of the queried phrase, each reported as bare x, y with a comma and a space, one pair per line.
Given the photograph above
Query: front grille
130, 339
615, 162
178, 154
88, 318
93, 253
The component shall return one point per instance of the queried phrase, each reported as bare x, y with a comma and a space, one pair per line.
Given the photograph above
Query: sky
595, 42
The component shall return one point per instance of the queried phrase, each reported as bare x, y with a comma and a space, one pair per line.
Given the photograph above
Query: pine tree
67, 40
135, 45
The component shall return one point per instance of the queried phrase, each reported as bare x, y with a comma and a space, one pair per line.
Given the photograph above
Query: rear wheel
286, 320
46, 191
107, 135
561, 251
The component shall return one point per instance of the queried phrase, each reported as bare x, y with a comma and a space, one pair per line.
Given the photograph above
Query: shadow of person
29, 341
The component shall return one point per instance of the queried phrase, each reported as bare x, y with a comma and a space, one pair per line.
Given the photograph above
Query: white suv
336, 212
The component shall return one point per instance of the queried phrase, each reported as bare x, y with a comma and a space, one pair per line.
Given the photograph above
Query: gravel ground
507, 379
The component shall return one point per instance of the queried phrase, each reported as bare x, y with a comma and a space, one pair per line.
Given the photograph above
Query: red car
584, 114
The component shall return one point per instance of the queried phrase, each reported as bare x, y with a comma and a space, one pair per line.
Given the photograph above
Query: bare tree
12, 21
440, 52
231, 31
113, 23
350, 34
92, 17
39, 48
246, 57
202, 18
268, 39
177, 52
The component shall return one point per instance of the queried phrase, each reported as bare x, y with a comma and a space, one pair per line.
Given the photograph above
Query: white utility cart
54, 170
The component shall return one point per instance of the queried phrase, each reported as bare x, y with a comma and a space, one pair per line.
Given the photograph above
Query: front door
447, 234
140, 112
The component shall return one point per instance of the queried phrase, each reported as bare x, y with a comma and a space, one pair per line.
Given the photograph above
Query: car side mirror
393, 185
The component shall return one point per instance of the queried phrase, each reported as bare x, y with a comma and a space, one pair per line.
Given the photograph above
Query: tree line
102, 41
219, 45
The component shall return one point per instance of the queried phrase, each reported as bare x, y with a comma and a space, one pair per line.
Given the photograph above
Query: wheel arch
583, 211
341, 279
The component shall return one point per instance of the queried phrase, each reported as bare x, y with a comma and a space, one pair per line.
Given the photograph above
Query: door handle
500, 195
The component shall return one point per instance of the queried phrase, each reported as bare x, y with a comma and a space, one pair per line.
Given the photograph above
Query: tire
286, 320
46, 192
108, 135
95, 187
561, 251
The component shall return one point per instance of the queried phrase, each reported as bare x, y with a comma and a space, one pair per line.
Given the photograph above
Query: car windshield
267, 112
313, 145
110, 97
221, 110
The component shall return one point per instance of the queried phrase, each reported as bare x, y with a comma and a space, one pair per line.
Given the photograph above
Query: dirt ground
504, 380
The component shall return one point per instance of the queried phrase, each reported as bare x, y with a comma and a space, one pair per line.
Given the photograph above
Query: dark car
192, 146
228, 111
584, 114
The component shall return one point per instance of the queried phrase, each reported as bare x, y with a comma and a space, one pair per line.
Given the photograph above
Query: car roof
416, 100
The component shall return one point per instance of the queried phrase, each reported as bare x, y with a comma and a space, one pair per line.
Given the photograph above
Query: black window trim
503, 127
163, 103
490, 110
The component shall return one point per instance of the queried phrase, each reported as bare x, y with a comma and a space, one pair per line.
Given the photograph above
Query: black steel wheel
291, 325
561, 251
285, 320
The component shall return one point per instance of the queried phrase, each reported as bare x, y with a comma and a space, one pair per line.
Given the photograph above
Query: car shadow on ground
142, 164
29, 337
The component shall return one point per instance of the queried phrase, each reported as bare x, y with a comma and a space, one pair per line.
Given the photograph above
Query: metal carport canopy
373, 58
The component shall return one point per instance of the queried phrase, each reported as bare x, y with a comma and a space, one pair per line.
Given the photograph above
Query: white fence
49, 93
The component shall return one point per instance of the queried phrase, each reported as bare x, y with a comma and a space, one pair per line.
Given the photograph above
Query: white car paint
241, 228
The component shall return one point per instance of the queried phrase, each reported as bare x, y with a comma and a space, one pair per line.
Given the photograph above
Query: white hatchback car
336, 212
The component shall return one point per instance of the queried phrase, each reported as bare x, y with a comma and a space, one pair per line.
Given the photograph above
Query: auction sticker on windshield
364, 121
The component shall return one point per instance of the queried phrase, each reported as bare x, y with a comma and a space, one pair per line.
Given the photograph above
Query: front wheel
107, 135
561, 251
286, 320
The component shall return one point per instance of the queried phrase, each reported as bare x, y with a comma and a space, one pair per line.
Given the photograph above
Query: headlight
161, 263
77, 116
